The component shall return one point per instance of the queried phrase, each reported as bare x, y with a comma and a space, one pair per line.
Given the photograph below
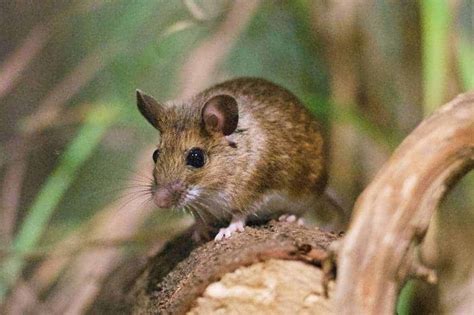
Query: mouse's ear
150, 109
220, 114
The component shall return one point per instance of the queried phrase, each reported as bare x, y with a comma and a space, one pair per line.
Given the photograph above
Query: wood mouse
242, 149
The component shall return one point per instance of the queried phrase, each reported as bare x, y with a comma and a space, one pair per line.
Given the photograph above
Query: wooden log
274, 268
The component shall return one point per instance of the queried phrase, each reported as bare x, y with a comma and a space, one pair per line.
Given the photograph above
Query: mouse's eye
195, 158
156, 154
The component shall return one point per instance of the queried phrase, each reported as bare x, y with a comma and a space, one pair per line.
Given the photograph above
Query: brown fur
277, 147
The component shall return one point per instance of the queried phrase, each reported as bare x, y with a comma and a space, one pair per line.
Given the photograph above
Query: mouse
240, 150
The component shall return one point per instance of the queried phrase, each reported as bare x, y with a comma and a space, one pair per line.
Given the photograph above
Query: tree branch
394, 211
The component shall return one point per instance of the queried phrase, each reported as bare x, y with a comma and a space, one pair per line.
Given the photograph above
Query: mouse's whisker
212, 209
220, 203
144, 192
123, 195
197, 212
145, 201
131, 188
187, 210
126, 201
220, 199
204, 207
107, 192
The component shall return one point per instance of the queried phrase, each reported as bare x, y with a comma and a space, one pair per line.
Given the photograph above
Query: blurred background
75, 155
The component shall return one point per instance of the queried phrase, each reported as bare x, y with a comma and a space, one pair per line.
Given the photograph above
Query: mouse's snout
168, 196
163, 198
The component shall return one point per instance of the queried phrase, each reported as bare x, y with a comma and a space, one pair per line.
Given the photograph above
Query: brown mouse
243, 148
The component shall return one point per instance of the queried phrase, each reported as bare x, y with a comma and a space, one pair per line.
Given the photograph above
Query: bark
174, 280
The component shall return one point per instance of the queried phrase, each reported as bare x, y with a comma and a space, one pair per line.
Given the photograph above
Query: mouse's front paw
236, 225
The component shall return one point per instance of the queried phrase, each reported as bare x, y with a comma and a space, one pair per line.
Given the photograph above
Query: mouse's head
192, 160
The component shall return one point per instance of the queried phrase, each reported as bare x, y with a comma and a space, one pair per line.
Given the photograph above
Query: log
268, 269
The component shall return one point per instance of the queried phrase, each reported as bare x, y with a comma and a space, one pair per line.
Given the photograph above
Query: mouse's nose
163, 198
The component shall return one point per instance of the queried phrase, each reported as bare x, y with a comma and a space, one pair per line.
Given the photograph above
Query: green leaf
53, 190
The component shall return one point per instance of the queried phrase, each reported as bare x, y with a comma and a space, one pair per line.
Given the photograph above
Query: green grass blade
436, 20
405, 298
466, 62
42, 208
